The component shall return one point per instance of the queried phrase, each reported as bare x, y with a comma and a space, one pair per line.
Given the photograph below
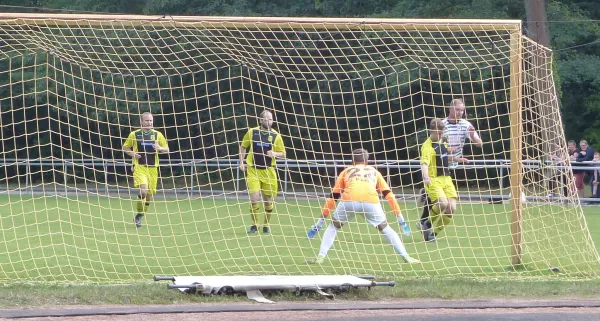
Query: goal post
516, 145
73, 87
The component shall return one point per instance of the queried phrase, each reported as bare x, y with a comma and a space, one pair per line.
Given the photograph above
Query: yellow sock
254, 212
268, 212
140, 204
146, 206
434, 214
444, 220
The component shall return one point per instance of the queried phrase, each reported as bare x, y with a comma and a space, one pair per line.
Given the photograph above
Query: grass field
93, 239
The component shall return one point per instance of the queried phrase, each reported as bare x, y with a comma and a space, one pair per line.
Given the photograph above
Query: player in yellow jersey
144, 145
259, 148
359, 187
435, 158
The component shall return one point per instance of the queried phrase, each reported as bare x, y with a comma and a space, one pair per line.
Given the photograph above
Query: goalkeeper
144, 145
435, 158
259, 148
358, 186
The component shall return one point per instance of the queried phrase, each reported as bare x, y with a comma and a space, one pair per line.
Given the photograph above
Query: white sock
320, 223
328, 238
394, 239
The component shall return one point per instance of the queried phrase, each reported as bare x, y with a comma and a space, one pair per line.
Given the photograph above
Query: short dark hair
436, 124
571, 141
360, 156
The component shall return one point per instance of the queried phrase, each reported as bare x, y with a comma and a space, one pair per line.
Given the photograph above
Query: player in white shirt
456, 131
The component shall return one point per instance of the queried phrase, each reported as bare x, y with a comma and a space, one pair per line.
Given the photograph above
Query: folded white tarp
252, 285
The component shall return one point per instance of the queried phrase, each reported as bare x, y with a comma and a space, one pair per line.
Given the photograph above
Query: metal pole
237, 180
285, 179
65, 176
193, 172
27, 171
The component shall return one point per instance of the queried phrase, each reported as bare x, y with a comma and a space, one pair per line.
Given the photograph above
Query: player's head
456, 109
147, 120
571, 145
266, 119
436, 129
360, 156
583, 144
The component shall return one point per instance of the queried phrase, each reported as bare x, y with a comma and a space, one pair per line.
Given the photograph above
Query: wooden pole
465, 25
516, 145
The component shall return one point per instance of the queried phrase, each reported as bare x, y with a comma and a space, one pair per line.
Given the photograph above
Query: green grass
77, 250
93, 239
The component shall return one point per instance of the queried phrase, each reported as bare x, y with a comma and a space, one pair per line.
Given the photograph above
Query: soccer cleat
408, 259
318, 260
432, 238
253, 229
405, 228
266, 230
312, 232
138, 220
420, 226
427, 233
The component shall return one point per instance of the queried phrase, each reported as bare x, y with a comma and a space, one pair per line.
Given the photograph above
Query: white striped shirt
456, 133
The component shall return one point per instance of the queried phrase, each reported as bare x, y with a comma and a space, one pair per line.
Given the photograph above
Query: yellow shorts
441, 186
143, 175
262, 180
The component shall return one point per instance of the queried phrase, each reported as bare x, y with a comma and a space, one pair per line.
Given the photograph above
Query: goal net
72, 88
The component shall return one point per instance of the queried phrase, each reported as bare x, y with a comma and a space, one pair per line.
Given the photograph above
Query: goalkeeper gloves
403, 225
312, 232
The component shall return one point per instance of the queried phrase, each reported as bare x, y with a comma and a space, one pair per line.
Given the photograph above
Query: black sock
426, 208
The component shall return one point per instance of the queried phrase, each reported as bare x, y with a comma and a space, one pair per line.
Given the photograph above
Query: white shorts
346, 211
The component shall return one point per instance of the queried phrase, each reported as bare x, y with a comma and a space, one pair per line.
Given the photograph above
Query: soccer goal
72, 88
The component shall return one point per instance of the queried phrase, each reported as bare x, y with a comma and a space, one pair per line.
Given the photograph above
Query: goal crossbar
269, 22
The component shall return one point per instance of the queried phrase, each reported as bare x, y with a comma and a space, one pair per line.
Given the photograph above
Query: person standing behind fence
586, 154
144, 145
259, 148
596, 175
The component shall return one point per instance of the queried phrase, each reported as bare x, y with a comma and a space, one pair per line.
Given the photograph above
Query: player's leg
451, 196
342, 214
375, 216
426, 203
268, 204
269, 188
438, 205
140, 180
253, 183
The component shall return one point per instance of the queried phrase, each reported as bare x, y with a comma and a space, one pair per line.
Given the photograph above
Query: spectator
559, 182
596, 176
586, 154
578, 174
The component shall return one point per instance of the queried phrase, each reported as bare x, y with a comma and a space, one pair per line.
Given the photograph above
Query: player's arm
243, 149
329, 206
336, 193
278, 150
386, 191
161, 145
456, 159
474, 136
426, 154
128, 146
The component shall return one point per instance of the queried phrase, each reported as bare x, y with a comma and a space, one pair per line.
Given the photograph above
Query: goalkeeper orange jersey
360, 183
